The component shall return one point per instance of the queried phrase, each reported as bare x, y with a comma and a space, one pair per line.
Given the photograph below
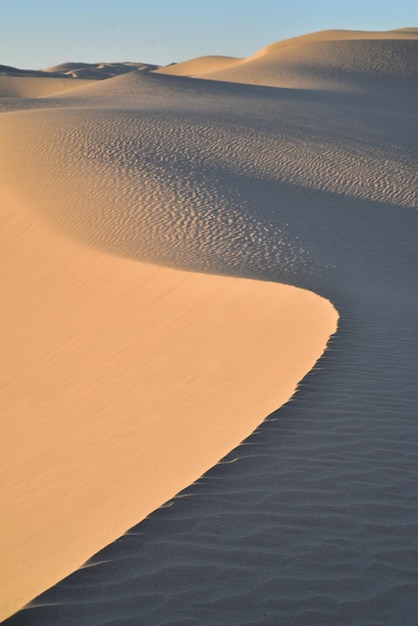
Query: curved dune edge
124, 383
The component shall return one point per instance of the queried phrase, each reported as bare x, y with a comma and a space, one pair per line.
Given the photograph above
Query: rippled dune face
160, 187
163, 171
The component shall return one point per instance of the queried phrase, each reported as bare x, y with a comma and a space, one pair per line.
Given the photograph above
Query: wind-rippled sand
298, 166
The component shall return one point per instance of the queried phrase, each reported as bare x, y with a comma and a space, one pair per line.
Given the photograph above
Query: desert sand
163, 234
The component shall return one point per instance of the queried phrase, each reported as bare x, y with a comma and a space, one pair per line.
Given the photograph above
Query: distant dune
148, 216
60, 78
98, 70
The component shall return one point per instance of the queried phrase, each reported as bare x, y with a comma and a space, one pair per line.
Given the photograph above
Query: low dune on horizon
184, 248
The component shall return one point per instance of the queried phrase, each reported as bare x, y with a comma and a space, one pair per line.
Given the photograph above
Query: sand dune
312, 520
342, 60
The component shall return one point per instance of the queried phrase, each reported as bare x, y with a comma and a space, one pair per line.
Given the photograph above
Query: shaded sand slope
313, 520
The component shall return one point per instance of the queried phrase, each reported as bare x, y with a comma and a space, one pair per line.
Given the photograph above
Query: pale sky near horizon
40, 33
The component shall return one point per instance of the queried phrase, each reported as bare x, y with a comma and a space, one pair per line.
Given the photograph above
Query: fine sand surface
120, 365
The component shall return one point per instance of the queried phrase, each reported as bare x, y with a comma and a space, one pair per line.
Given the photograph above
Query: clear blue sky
40, 33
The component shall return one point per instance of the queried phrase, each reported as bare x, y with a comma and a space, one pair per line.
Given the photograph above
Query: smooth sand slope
313, 519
